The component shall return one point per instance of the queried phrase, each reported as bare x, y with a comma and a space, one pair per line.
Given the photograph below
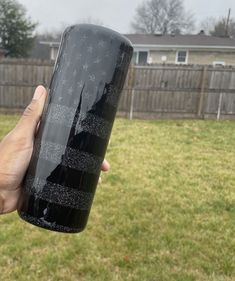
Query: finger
105, 166
32, 114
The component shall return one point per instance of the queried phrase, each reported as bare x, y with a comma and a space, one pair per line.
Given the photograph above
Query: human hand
16, 149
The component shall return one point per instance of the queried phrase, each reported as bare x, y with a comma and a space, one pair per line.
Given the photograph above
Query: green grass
165, 211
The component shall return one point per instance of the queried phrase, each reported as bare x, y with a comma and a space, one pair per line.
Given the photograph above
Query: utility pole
227, 23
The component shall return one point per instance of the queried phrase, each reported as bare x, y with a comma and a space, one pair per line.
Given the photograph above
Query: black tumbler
89, 74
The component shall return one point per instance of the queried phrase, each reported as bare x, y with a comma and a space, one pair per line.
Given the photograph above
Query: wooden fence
161, 91
177, 91
18, 79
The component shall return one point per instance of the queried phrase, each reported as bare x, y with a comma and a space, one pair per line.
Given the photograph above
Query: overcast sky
116, 14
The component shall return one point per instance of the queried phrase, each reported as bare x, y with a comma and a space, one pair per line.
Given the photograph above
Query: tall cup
89, 74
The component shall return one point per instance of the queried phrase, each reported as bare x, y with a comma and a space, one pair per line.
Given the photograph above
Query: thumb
33, 112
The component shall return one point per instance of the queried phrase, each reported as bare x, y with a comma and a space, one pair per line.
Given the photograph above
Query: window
134, 58
182, 57
143, 58
218, 63
140, 57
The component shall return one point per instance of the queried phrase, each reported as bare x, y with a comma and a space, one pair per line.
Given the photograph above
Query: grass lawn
165, 211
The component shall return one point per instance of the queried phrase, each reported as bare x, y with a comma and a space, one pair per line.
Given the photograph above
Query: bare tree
224, 29
219, 27
207, 25
162, 16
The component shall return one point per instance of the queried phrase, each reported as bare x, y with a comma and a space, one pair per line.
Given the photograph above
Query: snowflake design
86, 96
70, 90
90, 49
85, 66
97, 60
84, 38
92, 77
64, 81
101, 43
74, 72
80, 84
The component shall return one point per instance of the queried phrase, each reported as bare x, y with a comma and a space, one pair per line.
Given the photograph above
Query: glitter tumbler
61, 180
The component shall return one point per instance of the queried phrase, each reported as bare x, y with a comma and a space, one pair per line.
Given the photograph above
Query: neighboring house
54, 47
176, 49
182, 49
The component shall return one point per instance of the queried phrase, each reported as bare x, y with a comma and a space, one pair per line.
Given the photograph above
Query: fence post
219, 105
132, 103
200, 111
132, 86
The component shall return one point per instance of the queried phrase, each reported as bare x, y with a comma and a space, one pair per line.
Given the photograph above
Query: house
182, 49
54, 47
176, 49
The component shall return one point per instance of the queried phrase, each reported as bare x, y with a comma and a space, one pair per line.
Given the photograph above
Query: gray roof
198, 40
180, 40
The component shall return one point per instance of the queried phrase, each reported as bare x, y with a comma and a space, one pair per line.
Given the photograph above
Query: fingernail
38, 93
